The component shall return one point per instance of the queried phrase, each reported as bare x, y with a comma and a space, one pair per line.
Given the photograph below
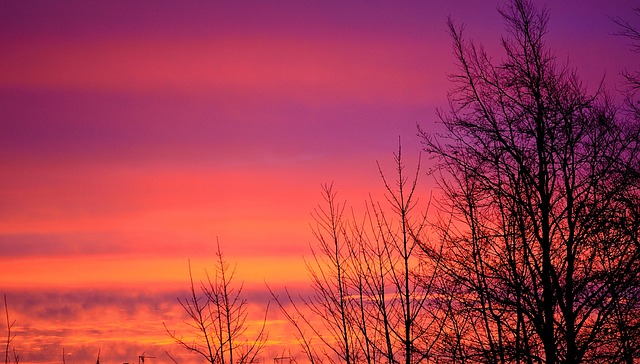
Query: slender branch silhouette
10, 337
373, 288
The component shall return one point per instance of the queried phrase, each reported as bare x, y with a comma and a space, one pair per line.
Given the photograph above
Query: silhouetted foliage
217, 317
542, 181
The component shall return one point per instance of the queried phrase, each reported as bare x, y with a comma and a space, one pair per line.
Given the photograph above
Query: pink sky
135, 134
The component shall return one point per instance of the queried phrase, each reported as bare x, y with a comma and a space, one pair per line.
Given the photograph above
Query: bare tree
373, 286
542, 182
8, 349
410, 320
327, 314
217, 317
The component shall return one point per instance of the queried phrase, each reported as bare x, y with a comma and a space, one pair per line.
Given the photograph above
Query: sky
134, 135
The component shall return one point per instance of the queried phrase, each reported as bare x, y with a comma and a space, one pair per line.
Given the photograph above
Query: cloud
332, 67
120, 323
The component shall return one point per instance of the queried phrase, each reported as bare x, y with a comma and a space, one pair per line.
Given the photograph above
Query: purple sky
138, 132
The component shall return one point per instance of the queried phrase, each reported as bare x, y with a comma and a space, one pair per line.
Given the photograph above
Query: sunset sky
133, 135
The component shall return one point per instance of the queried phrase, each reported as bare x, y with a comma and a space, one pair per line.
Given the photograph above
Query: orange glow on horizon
118, 271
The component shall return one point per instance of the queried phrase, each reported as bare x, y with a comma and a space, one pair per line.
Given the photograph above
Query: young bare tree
8, 357
217, 317
542, 180
331, 263
372, 299
325, 315
405, 304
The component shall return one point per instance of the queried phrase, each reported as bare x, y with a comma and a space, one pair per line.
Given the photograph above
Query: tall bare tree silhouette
542, 179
